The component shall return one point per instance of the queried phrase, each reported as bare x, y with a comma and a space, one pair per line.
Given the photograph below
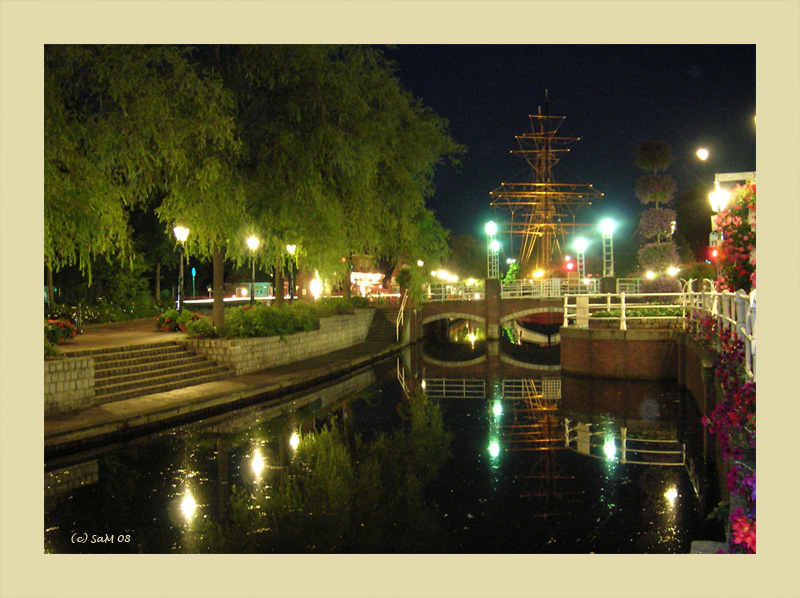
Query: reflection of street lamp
492, 261
252, 243
291, 249
181, 233
607, 227
580, 244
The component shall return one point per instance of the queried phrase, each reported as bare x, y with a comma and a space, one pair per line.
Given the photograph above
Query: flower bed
172, 321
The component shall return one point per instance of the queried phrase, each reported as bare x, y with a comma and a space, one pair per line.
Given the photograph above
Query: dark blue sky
613, 97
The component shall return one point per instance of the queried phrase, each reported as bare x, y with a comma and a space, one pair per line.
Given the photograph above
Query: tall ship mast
542, 211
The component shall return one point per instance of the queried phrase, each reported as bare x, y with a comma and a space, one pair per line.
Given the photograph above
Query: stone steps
124, 373
384, 325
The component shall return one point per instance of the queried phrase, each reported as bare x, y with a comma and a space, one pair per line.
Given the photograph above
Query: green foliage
653, 156
641, 312
120, 123
58, 331
658, 257
201, 328
172, 321
511, 275
50, 350
404, 277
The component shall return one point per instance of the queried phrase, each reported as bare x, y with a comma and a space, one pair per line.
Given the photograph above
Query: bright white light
243, 292
671, 494
477, 295
649, 275
494, 245
291, 249
497, 409
253, 243
538, 273
188, 505
511, 260
434, 273
420, 263
294, 441
672, 226
587, 281
580, 244
610, 448
470, 282
702, 153
718, 198
672, 271
567, 258
257, 463
491, 228
607, 227
494, 448
316, 287
423, 385
181, 233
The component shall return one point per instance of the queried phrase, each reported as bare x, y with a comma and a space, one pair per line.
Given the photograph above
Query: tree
657, 225
123, 123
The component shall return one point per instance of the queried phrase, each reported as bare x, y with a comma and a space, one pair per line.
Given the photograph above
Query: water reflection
406, 457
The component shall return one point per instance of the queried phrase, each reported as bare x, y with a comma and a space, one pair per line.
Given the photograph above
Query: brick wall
68, 384
248, 355
622, 354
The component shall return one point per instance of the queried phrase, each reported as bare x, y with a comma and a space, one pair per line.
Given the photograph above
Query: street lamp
291, 249
702, 153
580, 244
492, 260
181, 234
253, 243
607, 227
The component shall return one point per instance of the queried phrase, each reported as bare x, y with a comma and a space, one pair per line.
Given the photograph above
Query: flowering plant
58, 331
733, 422
172, 321
737, 225
657, 222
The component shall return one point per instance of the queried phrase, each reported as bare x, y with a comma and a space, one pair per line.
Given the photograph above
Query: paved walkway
141, 414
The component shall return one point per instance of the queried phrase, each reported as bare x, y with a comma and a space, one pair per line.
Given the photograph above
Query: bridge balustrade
455, 291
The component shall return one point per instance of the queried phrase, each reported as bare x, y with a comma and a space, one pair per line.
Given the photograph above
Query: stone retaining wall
622, 354
68, 384
248, 355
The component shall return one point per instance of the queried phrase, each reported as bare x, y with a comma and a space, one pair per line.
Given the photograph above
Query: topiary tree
657, 225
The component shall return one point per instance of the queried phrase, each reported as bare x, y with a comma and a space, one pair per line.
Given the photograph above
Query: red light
714, 253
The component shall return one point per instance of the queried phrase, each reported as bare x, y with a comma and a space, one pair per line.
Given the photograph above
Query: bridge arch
504, 319
454, 315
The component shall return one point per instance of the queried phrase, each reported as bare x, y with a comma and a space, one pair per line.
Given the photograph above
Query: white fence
548, 287
732, 311
454, 388
455, 291
525, 388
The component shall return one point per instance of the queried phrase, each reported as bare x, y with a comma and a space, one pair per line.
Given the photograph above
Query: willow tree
338, 158
122, 125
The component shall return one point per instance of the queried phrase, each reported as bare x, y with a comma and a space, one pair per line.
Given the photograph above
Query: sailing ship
542, 211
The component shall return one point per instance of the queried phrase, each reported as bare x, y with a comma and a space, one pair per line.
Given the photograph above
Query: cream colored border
26, 26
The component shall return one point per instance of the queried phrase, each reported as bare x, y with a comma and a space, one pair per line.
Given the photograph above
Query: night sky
613, 97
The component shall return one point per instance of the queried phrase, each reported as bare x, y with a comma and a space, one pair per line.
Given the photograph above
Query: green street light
491, 228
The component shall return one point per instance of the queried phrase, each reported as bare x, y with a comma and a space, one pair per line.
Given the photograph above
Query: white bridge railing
547, 287
625, 447
732, 311
455, 291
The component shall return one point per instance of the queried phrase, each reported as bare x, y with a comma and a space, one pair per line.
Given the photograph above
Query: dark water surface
377, 472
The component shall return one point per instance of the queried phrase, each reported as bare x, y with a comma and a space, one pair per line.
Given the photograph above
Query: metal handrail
400, 319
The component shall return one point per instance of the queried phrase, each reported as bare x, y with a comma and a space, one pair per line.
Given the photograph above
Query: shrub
172, 321
58, 331
201, 328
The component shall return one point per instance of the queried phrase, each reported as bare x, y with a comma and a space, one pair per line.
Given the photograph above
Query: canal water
481, 453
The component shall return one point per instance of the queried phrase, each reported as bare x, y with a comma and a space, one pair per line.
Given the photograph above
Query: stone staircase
127, 372
384, 325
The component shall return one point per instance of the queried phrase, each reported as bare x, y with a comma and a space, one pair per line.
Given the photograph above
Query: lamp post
181, 234
492, 259
253, 243
291, 249
580, 244
607, 227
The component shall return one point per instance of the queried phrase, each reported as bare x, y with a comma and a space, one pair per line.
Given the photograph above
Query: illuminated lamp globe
718, 199
580, 244
253, 243
607, 227
702, 153
181, 233
491, 228
291, 249
494, 245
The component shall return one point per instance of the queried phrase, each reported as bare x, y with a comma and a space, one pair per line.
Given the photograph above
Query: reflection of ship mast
542, 211
537, 427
